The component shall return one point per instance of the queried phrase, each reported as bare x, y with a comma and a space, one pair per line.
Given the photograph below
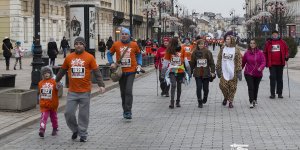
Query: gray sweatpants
73, 101
126, 85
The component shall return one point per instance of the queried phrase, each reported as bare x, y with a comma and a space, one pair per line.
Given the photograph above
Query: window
25, 30
57, 10
43, 30
62, 11
25, 6
51, 9
43, 8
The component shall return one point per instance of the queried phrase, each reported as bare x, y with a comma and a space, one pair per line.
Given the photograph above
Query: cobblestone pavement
273, 124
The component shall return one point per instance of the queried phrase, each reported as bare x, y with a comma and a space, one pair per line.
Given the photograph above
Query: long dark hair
249, 47
173, 44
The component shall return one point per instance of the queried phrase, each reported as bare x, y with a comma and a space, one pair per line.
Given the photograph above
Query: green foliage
292, 44
260, 42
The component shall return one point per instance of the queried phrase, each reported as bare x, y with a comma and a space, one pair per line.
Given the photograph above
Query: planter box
17, 99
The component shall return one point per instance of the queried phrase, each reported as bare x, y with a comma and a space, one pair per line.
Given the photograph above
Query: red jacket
284, 51
160, 55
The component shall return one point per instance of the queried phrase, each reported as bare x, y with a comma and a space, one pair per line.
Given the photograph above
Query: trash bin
7, 80
105, 71
144, 63
151, 60
45, 60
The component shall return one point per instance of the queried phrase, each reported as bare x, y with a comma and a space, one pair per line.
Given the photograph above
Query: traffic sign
265, 28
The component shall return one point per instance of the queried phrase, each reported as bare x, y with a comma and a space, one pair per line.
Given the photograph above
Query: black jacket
64, 43
109, 43
52, 50
6, 47
102, 46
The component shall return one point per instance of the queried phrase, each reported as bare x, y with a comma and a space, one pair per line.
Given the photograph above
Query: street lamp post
37, 61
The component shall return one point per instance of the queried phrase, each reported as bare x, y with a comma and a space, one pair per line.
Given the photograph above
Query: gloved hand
286, 58
239, 75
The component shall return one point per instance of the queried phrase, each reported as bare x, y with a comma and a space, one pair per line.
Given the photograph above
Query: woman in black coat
52, 51
6, 47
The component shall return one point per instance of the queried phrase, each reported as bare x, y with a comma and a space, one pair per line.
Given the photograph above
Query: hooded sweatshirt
276, 50
253, 61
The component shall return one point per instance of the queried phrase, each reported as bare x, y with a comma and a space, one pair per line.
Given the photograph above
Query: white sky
217, 6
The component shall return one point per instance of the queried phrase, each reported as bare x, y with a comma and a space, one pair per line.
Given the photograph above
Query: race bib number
275, 48
176, 61
77, 72
187, 49
202, 63
227, 56
46, 93
126, 62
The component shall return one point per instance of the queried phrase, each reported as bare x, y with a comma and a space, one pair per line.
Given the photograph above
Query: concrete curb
35, 118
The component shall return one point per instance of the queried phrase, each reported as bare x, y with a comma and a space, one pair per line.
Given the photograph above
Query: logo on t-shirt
126, 60
227, 56
187, 49
46, 91
77, 68
275, 48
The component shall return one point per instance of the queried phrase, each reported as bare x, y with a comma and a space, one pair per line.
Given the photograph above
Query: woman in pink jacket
254, 63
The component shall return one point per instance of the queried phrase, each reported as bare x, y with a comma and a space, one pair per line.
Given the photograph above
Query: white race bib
176, 61
46, 93
77, 72
275, 48
126, 62
187, 49
201, 62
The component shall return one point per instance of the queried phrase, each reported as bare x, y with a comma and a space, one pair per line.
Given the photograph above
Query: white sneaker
251, 105
255, 102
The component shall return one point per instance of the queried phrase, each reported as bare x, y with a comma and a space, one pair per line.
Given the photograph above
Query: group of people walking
176, 64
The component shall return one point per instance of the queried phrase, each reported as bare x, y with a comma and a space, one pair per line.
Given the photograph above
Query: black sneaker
74, 135
178, 103
41, 134
280, 96
167, 94
272, 97
54, 132
83, 139
127, 115
204, 100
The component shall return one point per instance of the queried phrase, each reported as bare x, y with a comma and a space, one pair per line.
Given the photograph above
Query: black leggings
202, 83
52, 62
7, 59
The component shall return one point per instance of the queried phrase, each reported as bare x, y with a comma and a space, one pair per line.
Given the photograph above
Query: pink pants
44, 118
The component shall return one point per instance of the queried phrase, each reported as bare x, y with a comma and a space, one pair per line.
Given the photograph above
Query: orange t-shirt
128, 62
188, 51
79, 71
48, 95
177, 59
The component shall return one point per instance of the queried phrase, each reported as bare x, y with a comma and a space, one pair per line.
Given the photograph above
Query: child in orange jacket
48, 95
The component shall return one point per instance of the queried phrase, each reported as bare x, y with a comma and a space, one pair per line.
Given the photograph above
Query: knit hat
166, 39
80, 40
46, 69
275, 31
125, 30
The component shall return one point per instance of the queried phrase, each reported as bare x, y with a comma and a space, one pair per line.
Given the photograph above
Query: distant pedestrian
48, 95
276, 53
79, 66
229, 69
52, 51
6, 47
174, 67
64, 45
19, 53
130, 63
109, 43
203, 68
254, 63
102, 48
159, 59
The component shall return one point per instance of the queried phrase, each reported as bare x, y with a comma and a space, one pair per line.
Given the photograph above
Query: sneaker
255, 103
41, 134
252, 105
74, 135
224, 102
280, 96
178, 103
167, 95
127, 115
230, 105
54, 132
272, 97
83, 139
200, 104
